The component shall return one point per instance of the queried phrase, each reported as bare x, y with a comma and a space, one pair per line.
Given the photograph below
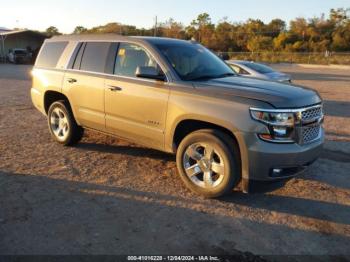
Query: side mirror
149, 72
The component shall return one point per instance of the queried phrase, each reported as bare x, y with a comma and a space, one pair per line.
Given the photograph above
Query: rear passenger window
50, 54
94, 57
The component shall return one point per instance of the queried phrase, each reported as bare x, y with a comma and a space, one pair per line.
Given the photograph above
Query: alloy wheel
204, 165
59, 124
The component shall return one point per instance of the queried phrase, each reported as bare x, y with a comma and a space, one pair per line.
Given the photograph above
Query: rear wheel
208, 162
62, 125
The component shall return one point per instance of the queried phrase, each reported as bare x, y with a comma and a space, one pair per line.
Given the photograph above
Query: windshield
262, 69
194, 62
20, 52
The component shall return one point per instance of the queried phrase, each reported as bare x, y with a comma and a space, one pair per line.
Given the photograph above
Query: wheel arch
185, 126
51, 96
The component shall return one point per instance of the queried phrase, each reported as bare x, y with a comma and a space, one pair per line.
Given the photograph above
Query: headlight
281, 125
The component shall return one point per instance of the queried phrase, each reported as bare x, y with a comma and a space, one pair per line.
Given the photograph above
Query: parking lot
106, 196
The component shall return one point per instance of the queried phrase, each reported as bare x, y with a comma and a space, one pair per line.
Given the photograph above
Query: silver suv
178, 97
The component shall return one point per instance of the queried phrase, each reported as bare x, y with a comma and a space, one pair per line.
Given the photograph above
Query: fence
300, 58
336, 58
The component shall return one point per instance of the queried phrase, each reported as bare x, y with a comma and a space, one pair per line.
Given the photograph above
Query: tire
62, 125
208, 162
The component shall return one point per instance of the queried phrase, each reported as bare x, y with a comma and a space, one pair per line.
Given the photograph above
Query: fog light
286, 172
280, 131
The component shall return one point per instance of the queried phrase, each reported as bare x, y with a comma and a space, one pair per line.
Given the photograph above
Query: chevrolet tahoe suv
177, 96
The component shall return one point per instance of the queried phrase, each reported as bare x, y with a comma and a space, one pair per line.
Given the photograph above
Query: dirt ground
106, 196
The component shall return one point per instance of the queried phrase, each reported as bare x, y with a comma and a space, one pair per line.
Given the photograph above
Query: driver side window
131, 56
242, 71
239, 70
235, 68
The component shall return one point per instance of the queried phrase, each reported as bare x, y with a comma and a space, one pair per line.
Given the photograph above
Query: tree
317, 34
224, 36
275, 27
299, 27
109, 28
259, 43
279, 42
341, 38
202, 29
300, 46
118, 28
338, 16
172, 29
52, 31
320, 46
79, 30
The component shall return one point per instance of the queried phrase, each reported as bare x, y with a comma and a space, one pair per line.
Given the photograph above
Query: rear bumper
37, 99
21, 59
271, 162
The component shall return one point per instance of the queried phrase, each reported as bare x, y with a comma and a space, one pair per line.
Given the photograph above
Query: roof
162, 40
114, 37
4, 29
12, 32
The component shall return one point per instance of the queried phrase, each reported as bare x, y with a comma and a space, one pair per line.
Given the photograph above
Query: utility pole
3, 52
155, 26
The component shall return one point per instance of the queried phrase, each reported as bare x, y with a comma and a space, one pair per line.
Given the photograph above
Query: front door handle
71, 80
115, 88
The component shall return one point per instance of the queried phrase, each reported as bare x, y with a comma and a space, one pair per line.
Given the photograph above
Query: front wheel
62, 125
209, 163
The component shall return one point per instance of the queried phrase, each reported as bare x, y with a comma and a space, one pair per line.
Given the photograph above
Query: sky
67, 14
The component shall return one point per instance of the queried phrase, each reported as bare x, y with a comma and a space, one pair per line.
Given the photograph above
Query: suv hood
277, 94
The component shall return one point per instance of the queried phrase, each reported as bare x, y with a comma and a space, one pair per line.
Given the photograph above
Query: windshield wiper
203, 77
206, 77
225, 75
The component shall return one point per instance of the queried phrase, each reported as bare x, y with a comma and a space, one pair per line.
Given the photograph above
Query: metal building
25, 39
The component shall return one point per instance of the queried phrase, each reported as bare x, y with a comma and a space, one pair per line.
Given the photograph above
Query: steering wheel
196, 71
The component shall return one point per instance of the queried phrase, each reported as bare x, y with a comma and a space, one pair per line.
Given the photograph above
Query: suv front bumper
270, 161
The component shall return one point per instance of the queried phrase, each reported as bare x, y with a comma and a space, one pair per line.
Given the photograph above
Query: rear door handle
115, 88
71, 80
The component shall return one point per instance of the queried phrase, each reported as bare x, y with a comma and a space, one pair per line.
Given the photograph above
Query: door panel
86, 94
84, 86
136, 109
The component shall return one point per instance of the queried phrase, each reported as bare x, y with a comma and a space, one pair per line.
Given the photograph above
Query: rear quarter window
50, 54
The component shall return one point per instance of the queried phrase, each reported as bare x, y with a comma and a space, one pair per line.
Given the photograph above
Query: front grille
310, 124
310, 134
312, 114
